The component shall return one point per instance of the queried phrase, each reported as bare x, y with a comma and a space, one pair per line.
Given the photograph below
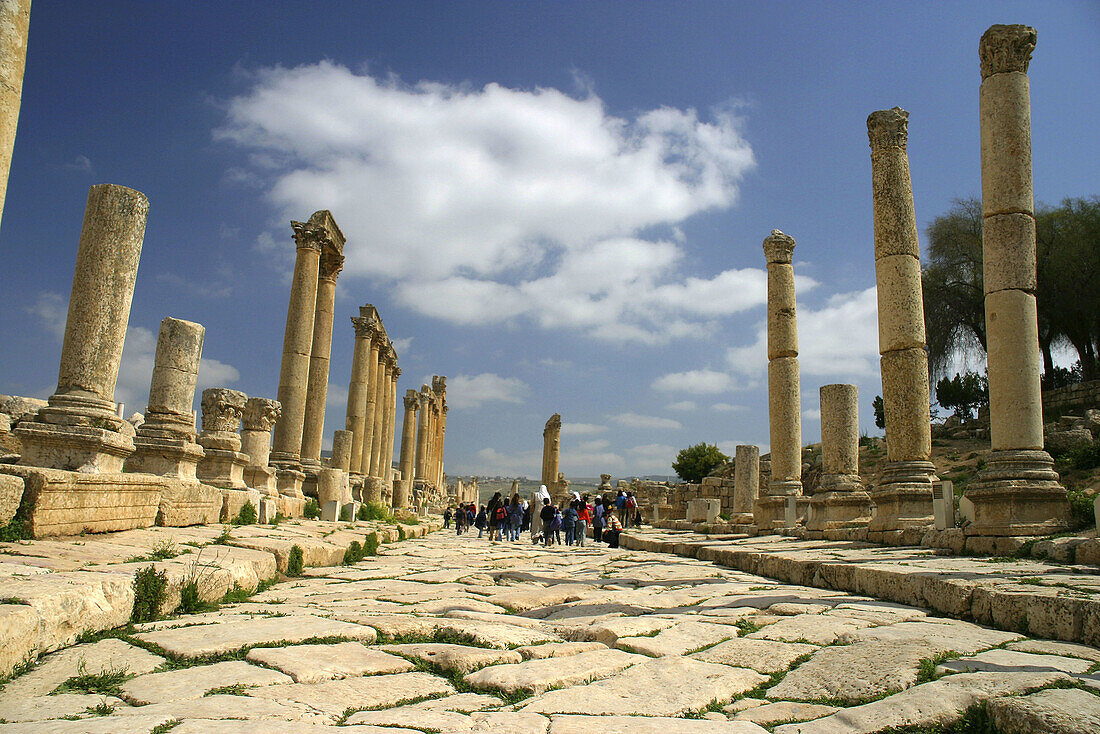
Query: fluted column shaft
319, 355
784, 396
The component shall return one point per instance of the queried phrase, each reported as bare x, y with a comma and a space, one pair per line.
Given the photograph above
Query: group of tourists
506, 519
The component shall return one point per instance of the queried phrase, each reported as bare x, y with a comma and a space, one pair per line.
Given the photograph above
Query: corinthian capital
308, 235
1005, 48
412, 400
260, 414
396, 373
332, 263
888, 128
222, 409
361, 326
779, 247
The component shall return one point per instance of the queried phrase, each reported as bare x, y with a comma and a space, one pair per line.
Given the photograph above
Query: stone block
267, 510
68, 503
703, 510
905, 393
1005, 113
11, 492
290, 506
901, 310
330, 511
233, 500
712, 481
188, 503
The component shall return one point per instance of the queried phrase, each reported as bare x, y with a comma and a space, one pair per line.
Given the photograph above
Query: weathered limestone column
440, 474
904, 498
165, 442
388, 416
223, 465
746, 481
841, 501
403, 491
286, 447
551, 451
341, 450
391, 431
1018, 492
259, 417
784, 397
374, 365
332, 260
357, 390
422, 435
385, 368
79, 429
15, 19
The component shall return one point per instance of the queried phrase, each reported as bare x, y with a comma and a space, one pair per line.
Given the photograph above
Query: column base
770, 512
1018, 494
166, 457
904, 498
834, 510
309, 484
223, 468
285, 460
84, 449
289, 483
262, 479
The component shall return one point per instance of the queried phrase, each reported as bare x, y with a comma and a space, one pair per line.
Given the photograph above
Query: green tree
696, 462
1067, 291
963, 394
880, 411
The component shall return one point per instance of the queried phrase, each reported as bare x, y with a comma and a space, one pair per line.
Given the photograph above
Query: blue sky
558, 205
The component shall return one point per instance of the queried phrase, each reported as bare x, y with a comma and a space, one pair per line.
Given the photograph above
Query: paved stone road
455, 634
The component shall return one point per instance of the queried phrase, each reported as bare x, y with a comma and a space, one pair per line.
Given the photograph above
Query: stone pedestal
260, 416
746, 483
904, 497
1018, 493
79, 429
223, 465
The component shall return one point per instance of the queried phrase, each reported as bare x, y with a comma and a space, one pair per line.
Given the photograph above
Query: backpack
631, 503
500, 513
555, 524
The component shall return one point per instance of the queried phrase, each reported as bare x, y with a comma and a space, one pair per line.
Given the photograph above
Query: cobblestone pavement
456, 634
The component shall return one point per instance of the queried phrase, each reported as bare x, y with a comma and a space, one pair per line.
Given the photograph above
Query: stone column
746, 481
422, 435
79, 429
440, 475
841, 501
357, 390
259, 417
165, 442
784, 397
298, 340
373, 367
403, 491
1018, 491
551, 451
388, 417
15, 18
904, 498
391, 430
331, 261
384, 373
341, 450
223, 465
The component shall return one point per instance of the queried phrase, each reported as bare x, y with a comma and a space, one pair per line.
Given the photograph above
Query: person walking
497, 514
460, 520
481, 522
546, 516
555, 525
620, 505
540, 499
447, 518
584, 518
630, 505
597, 520
515, 518
569, 521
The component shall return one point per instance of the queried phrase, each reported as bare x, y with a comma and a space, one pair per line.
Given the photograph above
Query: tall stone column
373, 367
385, 375
551, 451
746, 481
165, 442
259, 417
391, 430
79, 429
1018, 491
402, 492
841, 501
784, 397
223, 465
357, 390
286, 450
15, 19
388, 416
332, 260
904, 497
439, 449
423, 429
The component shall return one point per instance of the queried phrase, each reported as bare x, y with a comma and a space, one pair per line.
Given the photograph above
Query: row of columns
1018, 492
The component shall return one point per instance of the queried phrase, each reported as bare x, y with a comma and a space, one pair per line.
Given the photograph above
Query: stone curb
988, 600
43, 610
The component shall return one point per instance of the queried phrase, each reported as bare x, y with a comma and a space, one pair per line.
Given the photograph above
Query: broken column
551, 451
79, 430
259, 417
1017, 494
15, 17
402, 493
841, 500
903, 499
223, 465
784, 398
746, 482
331, 261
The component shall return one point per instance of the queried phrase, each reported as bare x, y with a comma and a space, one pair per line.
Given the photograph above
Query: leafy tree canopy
963, 394
696, 462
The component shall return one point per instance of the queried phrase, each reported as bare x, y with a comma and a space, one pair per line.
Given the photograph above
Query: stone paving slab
763, 656
376, 691
1013, 660
315, 663
1065, 711
536, 676
459, 658
176, 685
193, 642
647, 725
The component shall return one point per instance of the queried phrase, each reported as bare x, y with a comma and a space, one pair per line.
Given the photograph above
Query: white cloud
841, 338
470, 391
653, 458
683, 405
52, 309
80, 164
486, 205
727, 408
598, 445
337, 398
633, 420
402, 345
492, 462
697, 382
581, 429
813, 414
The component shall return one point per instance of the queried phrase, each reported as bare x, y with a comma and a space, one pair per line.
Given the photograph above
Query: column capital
222, 409
308, 235
332, 262
888, 128
396, 373
1006, 48
779, 247
261, 414
412, 400
361, 326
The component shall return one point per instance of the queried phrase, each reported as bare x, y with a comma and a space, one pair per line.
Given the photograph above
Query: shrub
150, 589
295, 563
313, 510
346, 513
1081, 508
400, 533
353, 554
247, 515
374, 511
370, 545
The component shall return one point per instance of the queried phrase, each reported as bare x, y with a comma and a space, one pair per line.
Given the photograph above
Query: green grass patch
235, 595
103, 709
237, 689
107, 683
191, 601
353, 554
747, 626
312, 510
374, 511
370, 545
400, 533
165, 727
295, 562
162, 551
150, 590
927, 670
975, 720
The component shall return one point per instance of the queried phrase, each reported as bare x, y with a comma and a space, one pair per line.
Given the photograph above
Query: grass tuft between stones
165, 727
108, 683
150, 591
295, 562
